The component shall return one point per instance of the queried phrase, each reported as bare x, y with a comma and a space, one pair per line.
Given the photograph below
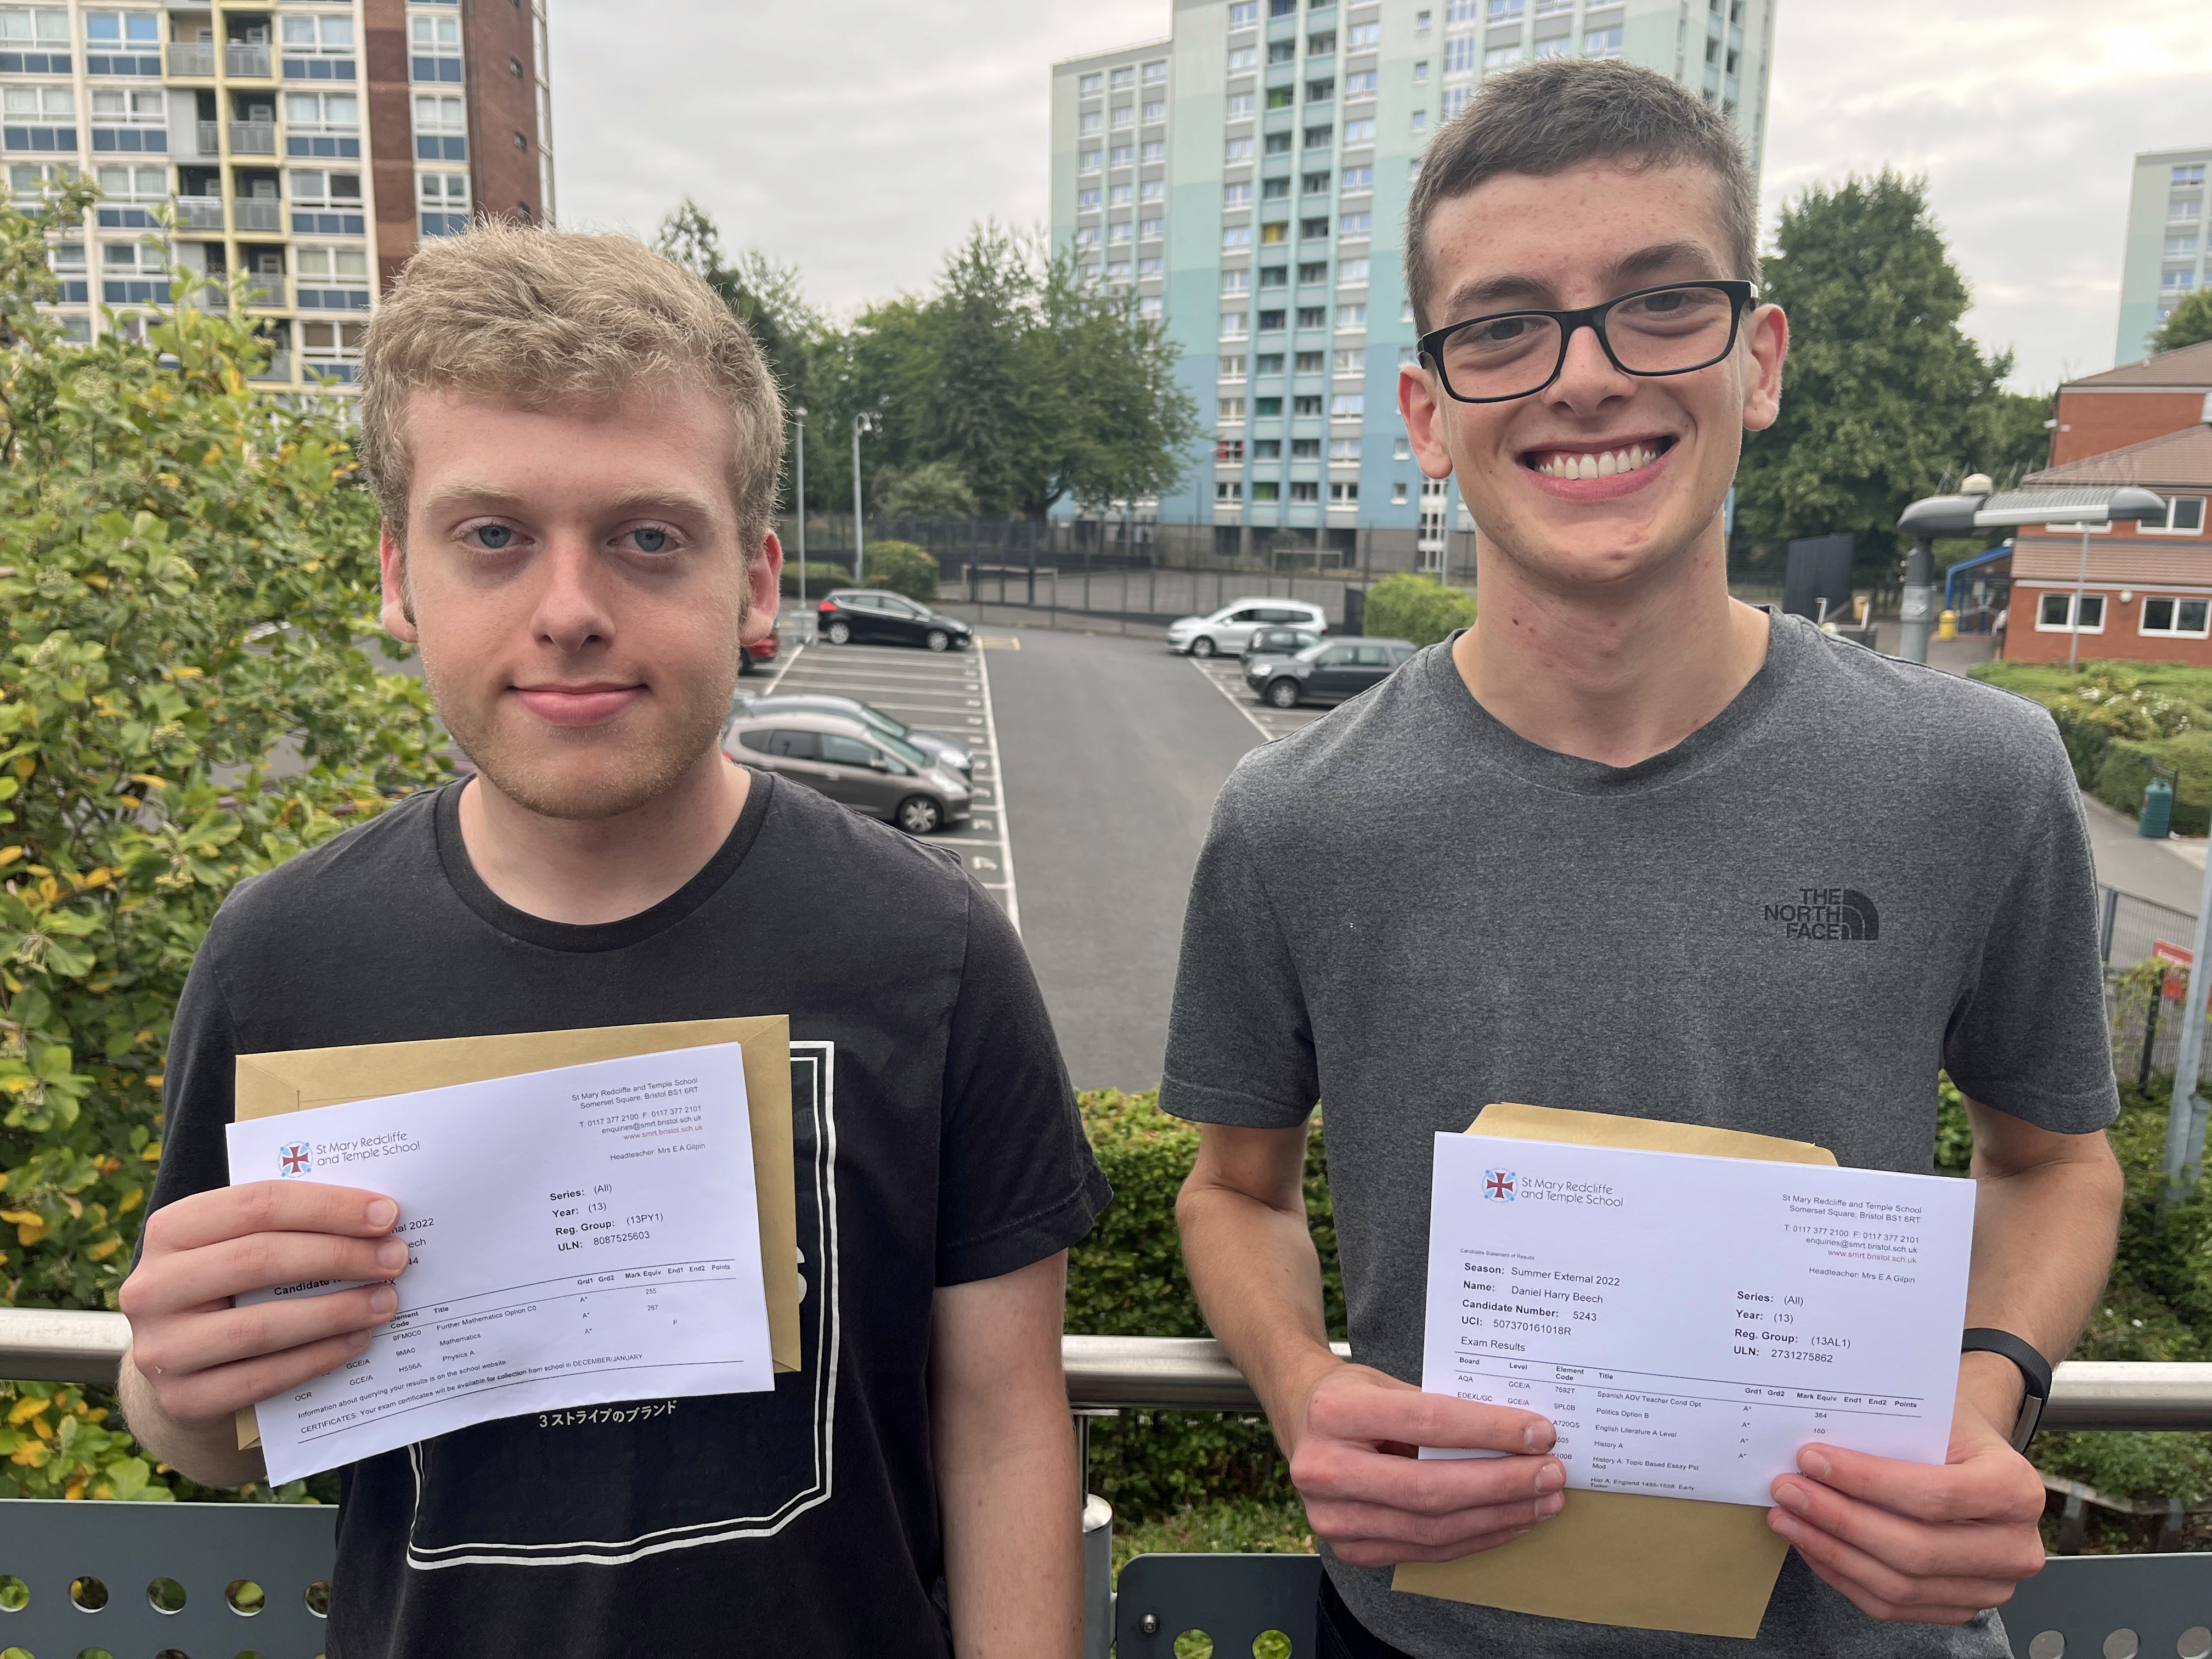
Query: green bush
820, 579
1418, 608
185, 568
2122, 720
902, 568
1127, 1279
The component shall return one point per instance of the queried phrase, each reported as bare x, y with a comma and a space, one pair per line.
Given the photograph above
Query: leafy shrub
2122, 722
2106, 699
820, 577
186, 566
902, 568
1409, 607
936, 489
1127, 1279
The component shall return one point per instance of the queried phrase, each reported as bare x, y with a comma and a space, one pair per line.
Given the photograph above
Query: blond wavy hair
543, 319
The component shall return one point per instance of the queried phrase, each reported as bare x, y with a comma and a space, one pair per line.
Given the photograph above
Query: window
1151, 265
1235, 236
1322, 46
2184, 516
24, 177
1498, 57
122, 43
1421, 73
1351, 362
1348, 406
2176, 615
1273, 233
1242, 58
1282, 51
2055, 615
2177, 281
1352, 273
1236, 282
1314, 184
124, 183
2189, 175
1401, 448
1397, 495
1558, 47
1456, 100
1154, 189
1274, 275
1150, 308
1320, 92
1314, 270
1118, 233
1304, 489
1228, 490
1604, 43
1266, 408
1090, 121
1505, 11
1239, 105
315, 111
2181, 247
1124, 76
1275, 189
1237, 195
1244, 14
1351, 316
2185, 210
1313, 229
1267, 490
35, 40
1268, 362
1311, 362
1359, 179
1313, 316
1124, 116
332, 278
1358, 132
1156, 71
444, 199
1229, 451
1357, 224
1359, 84
40, 103
67, 257
1091, 86
434, 46
320, 190
1459, 55
1088, 160
1232, 324
1232, 368
1271, 322
1238, 149
1278, 143
1420, 22
1344, 495
1086, 201
1152, 229
1364, 35
1319, 137
1343, 450
1121, 194
1278, 98
118, 109
1230, 411
312, 36
1155, 150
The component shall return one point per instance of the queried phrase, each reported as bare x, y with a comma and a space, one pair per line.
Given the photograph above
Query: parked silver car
952, 751
1227, 629
870, 771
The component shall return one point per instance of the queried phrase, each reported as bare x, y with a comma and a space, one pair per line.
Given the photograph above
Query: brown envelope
1614, 1557
294, 1079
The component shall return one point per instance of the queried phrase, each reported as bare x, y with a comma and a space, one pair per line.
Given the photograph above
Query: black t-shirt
937, 1142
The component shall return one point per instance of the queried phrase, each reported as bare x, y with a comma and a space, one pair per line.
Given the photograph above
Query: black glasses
1670, 330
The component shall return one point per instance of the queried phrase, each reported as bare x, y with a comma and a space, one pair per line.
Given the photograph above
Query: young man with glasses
1568, 858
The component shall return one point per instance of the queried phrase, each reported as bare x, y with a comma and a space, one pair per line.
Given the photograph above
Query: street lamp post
798, 463
860, 423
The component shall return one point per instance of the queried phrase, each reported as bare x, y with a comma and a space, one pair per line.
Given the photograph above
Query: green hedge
902, 568
820, 577
2114, 767
1127, 1279
1418, 608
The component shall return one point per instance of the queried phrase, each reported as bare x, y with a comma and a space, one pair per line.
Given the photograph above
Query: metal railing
256, 213
208, 135
253, 137
199, 212
194, 58
1170, 1373
252, 62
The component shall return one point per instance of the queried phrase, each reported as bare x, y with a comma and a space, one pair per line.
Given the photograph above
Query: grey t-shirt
1859, 871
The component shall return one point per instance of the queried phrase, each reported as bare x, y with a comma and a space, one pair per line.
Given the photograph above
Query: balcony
264, 290
197, 58
256, 213
199, 212
251, 137
207, 136
279, 368
246, 63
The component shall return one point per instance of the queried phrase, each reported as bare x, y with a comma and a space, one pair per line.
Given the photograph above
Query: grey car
950, 751
847, 760
1327, 673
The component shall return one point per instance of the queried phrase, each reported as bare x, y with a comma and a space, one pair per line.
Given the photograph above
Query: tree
187, 567
935, 490
1884, 395
2190, 323
1135, 427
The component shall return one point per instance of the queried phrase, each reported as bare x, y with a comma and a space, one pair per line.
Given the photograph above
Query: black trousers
1338, 1635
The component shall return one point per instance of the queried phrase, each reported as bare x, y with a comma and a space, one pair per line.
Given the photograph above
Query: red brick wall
502, 108
391, 133
2091, 422
2120, 640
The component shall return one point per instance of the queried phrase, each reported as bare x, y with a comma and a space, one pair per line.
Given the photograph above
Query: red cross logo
295, 1158
1498, 1184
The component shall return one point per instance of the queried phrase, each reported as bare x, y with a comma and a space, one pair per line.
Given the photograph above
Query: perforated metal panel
205, 1548
2113, 1607
1234, 1598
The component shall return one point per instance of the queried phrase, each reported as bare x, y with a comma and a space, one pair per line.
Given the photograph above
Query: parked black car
952, 751
876, 616
1327, 673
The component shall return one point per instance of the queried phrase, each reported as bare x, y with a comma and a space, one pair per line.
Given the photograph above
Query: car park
873, 772
1327, 673
1276, 640
948, 752
1227, 628
876, 616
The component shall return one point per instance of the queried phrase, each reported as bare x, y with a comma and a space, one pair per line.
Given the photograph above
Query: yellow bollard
1947, 625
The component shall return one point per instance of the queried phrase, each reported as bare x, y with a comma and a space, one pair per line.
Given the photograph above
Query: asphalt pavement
1112, 752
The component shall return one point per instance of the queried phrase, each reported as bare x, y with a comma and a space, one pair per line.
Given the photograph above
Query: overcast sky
860, 142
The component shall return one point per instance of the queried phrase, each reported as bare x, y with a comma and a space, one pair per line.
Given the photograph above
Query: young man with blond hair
1552, 859
576, 448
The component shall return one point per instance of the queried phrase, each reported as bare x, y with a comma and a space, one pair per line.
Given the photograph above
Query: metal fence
2145, 1010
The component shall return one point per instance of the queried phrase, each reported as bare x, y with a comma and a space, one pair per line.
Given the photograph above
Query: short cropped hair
1546, 117
546, 319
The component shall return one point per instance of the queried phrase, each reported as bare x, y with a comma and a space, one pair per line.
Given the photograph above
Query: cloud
861, 142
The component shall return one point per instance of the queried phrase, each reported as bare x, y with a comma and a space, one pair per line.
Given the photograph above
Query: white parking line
1235, 702
999, 791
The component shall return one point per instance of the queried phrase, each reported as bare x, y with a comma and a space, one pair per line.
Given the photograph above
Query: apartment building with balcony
1247, 178
2166, 243
308, 145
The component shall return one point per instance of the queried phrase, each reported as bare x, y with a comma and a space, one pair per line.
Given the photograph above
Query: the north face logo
1827, 912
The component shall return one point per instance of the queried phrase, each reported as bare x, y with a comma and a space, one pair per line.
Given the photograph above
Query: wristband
2035, 1371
